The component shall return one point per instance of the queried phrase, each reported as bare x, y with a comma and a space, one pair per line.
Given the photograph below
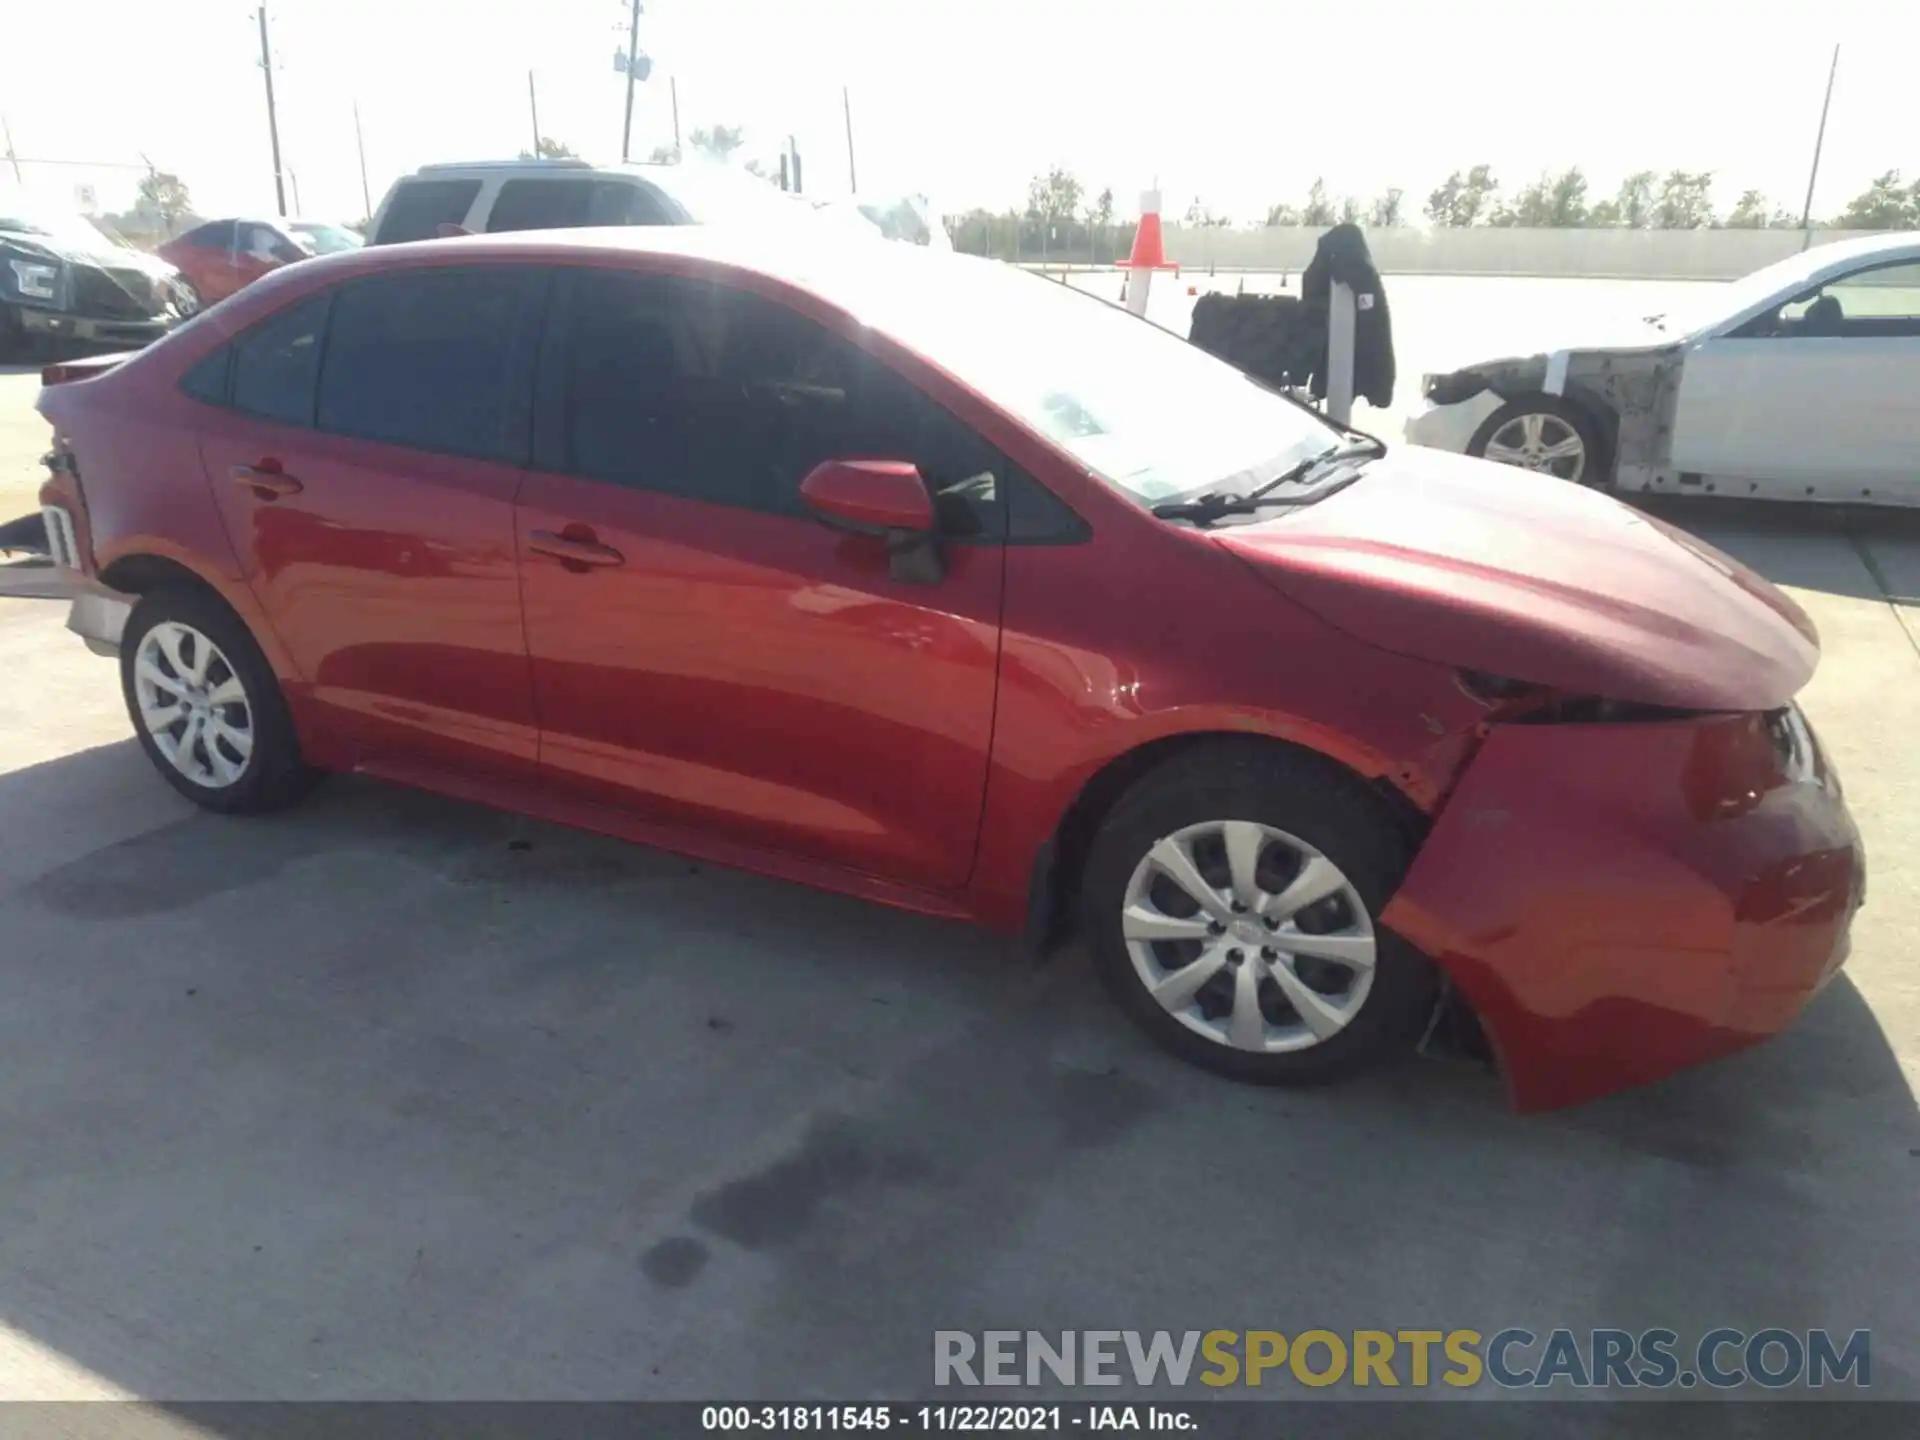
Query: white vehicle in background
1800, 381
489, 197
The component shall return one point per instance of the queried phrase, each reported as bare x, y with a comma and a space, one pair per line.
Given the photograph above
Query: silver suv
490, 197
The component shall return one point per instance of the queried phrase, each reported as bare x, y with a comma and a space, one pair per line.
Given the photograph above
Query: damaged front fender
1620, 901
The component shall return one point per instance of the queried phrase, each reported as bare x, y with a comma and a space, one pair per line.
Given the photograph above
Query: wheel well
137, 574
1053, 905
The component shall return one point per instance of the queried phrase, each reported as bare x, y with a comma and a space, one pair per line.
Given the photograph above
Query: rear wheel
1232, 899
207, 707
1546, 434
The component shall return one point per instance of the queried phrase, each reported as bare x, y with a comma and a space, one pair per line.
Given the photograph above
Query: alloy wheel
1249, 936
1542, 442
193, 704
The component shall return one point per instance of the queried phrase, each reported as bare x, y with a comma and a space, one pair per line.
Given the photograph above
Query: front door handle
575, 554
267, 479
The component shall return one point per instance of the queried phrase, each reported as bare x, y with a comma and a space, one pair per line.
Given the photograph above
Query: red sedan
223, 256
922, 579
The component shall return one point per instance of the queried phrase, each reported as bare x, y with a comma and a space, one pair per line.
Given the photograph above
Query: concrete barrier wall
1583, 254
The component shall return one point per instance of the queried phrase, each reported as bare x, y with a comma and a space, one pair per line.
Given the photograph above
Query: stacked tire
1267, 336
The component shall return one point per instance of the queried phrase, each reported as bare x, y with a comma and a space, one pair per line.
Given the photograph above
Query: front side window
276, 362
420, 208
1879, 301
325, 239
716, 394
433, 360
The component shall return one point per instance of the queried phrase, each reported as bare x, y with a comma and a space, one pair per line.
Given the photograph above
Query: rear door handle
267, 479
574, 554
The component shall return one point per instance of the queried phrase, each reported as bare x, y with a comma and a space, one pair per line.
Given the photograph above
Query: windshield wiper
1205, 509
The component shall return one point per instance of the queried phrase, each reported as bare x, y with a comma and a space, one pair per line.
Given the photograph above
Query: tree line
1064, 219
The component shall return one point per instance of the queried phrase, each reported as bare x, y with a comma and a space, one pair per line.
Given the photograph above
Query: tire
252, 762
14, 349
1526, 429
1317, 826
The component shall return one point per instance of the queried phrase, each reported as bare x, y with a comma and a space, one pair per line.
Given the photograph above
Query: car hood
62, 249
1490, 568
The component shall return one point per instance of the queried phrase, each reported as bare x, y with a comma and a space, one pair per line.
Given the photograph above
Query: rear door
1815, 399
730, 664
366, 460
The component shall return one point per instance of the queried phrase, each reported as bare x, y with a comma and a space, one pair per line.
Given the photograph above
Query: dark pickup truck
64, 280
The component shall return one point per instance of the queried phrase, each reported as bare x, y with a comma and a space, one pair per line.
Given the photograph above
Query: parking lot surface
393, 1097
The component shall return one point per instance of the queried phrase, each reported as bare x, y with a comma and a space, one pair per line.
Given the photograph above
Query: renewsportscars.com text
1514, 1358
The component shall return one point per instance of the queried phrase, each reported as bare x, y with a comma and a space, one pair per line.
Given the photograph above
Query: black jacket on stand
1342, 255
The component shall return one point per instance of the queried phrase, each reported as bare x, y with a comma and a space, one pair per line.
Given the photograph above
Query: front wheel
1232, 899
207, 706
1543, 433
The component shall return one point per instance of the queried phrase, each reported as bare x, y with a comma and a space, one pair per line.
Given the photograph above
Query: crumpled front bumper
1620, 901
1451, 427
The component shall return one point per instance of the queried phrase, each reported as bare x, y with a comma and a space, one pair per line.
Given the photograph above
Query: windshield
26, 216
325, 239
1155, 417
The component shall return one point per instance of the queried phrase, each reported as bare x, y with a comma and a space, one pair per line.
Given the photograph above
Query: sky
1239, 105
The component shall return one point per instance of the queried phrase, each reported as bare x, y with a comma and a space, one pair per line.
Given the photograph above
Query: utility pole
12, 158
366, 195
633, 53
1819, 142
673, 93
273, 117
534, 105
846, 108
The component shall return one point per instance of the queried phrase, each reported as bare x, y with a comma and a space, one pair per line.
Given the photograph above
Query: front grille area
114, 294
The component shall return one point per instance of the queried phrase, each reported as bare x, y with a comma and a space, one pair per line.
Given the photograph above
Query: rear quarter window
277, 362
420, 207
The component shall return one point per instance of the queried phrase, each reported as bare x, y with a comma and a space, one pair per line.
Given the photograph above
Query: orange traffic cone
1149, 254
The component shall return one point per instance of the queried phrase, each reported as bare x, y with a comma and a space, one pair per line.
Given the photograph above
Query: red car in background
223, 256
922, 579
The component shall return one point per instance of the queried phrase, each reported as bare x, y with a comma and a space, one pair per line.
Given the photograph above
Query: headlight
35, 278
1794, 743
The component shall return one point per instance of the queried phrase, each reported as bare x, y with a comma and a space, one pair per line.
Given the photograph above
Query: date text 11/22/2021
939, 1419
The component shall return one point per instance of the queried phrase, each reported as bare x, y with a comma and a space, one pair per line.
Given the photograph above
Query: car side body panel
1615, 900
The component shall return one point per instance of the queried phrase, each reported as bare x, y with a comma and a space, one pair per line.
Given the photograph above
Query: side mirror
885, 499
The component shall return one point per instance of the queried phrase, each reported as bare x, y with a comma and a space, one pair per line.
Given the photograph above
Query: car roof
1890, 243
844, 270
510, 167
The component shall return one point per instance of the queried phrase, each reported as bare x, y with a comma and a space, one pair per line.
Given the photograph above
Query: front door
1814, 399
707, 654
366, 462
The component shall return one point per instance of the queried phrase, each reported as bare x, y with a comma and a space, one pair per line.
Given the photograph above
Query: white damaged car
1800, 381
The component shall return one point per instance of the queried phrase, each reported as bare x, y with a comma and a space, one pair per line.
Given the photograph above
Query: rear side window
218, 235
555, 203
276, 362
434, 360
420, 207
